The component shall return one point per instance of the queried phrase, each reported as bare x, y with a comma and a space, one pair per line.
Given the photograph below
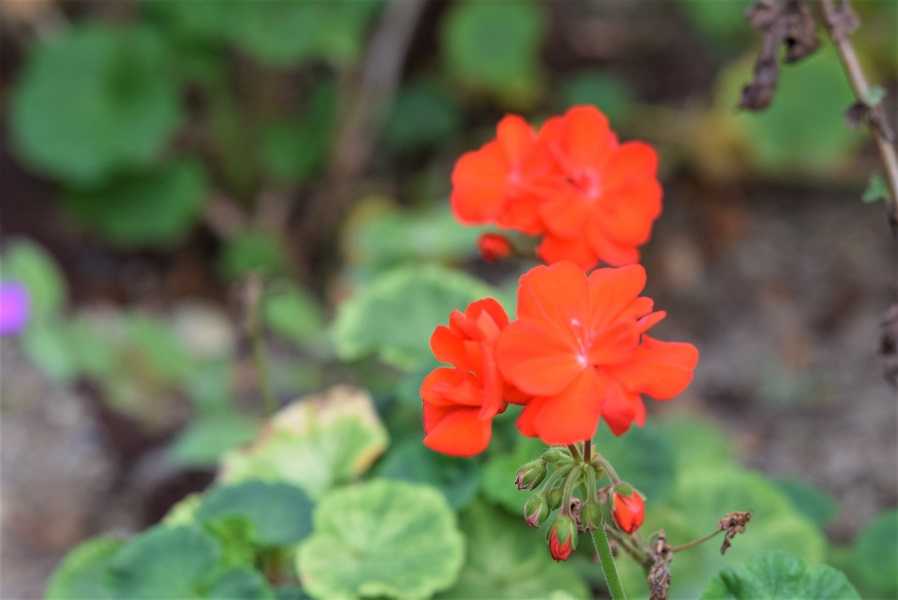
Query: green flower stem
600, 541
570, 484
612, 473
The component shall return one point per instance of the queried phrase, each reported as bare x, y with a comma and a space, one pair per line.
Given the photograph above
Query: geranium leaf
381, 538
315, 443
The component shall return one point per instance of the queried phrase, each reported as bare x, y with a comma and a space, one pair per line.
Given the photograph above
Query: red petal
620, 408
489, 316
460, 433
450, 387
626, 214
615, 344
516, 139
528, 418
449, 347
582, 138
632, 161
608, 250
556, 294
614, 292
660, 369
572, 416
479, 184
536, 359
434, 414
566, 214
577, 250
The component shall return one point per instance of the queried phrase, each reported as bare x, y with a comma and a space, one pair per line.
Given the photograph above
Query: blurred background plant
157, 154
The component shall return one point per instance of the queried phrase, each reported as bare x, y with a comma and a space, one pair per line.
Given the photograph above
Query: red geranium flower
460, 402
590, 196
578, 349
612, 196
499, 183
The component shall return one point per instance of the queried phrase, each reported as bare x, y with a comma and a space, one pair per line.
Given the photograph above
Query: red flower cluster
576, 353
579, 350
590, 197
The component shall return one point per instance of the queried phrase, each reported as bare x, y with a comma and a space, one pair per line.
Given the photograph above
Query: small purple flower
14, 307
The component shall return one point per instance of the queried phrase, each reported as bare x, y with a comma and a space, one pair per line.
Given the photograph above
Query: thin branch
840, 22
367, 99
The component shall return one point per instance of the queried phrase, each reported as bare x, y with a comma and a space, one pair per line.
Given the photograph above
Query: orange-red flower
612, 196
460, 402
499, 183
591, 197
579, 349
629, 511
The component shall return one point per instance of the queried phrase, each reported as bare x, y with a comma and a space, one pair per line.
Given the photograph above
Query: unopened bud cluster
565, 490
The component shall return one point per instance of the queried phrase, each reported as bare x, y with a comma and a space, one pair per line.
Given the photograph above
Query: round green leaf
84, 572
457, 478
609, 94
794, 133
278, 513
396, 236
423, 115
285, 32
242, 583
156, 208
643, 457
292, 312
381, 538
164, 562
292, 150
395, 315
499, 474
507, 559
93, 100
207, 438
315, 443
697, 444
30, 265
493, 47
253, 252
875, 555
816, 505
774, 575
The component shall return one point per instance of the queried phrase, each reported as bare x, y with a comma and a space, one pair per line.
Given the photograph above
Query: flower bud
555, 455
536, 509
562, 537
494, 247
629, 511
553, 498
591, 516
530, 475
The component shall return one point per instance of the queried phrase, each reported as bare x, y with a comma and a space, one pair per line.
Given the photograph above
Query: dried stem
840, 22
696, 542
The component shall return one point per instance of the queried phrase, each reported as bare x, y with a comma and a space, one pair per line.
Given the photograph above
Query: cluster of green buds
565, 486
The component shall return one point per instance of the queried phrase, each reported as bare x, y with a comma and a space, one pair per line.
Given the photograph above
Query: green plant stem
600, 541
612, 473
694, 543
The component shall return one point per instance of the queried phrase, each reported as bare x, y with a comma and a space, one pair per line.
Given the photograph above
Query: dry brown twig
841, 21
